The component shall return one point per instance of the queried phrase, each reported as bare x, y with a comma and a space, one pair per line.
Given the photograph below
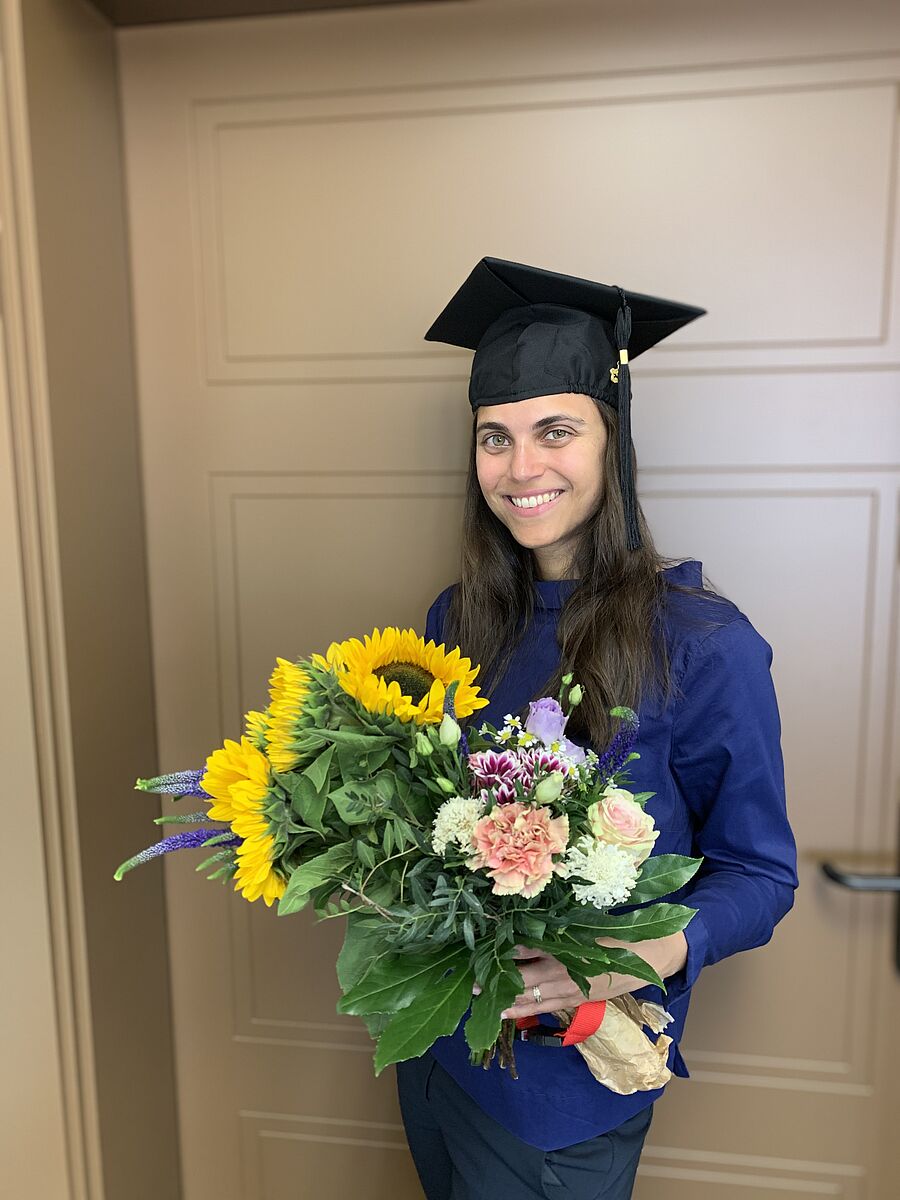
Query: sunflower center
414, 680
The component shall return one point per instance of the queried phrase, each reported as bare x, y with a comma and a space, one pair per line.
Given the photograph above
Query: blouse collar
553, 593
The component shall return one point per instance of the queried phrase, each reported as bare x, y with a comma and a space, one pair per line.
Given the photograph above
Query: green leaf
655, 921
359, 743
313, 809
662, 874
396, 980
353, 801
483, 1026
470, 899
531, 926
469, 931
365, 854
312, 874
317, 771
375, 1023
600, 960
363, 942
420, 899
436, 1013
305, 801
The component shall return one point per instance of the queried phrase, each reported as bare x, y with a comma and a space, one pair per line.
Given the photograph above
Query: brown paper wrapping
620, 1055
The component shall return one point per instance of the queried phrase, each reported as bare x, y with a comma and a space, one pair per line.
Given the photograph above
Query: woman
559, 573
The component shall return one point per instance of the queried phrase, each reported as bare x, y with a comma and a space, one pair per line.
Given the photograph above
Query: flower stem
365, 899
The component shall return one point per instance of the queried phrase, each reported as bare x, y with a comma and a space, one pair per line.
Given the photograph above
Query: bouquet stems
503, 1050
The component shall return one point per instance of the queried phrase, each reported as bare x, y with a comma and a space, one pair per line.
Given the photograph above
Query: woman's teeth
534, 501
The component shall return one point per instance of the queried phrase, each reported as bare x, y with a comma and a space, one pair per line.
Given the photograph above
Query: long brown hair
610, 630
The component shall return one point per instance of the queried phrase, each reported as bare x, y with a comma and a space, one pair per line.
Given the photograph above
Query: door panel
302, 204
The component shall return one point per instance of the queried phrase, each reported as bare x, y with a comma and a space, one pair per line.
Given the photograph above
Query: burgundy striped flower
492, 767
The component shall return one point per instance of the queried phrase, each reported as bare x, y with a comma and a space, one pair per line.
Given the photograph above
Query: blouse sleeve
727, 762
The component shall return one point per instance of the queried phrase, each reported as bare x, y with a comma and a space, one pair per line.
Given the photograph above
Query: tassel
623, 374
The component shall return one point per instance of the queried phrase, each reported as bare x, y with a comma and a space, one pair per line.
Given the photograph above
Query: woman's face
539, 465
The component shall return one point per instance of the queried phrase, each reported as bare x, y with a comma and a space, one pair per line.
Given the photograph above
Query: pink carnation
516, 842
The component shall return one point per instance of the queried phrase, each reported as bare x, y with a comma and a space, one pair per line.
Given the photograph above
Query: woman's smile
535, 504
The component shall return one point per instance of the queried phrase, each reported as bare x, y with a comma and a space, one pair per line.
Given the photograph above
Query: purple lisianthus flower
546, 720
572, 751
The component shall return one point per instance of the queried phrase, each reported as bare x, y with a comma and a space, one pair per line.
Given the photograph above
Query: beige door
304, 193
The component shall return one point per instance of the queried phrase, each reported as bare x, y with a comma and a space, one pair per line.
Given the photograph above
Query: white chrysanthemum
455, 822
609, 872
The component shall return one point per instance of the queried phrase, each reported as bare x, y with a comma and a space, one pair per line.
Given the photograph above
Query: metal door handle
860, 881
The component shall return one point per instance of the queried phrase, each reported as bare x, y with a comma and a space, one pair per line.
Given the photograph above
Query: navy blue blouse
713, 757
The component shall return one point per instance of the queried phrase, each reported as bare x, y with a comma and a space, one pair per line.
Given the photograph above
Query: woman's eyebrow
541, 424
555, 420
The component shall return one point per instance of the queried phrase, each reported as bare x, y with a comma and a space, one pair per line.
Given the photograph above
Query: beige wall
85, 592
32, 1126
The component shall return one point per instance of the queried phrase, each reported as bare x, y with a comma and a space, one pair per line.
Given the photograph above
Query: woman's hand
666, 955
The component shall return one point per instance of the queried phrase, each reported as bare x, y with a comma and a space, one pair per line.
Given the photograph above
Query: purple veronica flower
613, 758
546, 720
181, 783
180, 841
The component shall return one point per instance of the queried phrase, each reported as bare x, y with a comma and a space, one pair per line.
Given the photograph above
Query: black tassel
626, 475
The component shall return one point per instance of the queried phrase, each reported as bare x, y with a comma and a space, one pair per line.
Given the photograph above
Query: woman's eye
564, 432
488, 441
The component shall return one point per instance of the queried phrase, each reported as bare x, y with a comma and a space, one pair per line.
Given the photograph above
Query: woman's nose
525, 463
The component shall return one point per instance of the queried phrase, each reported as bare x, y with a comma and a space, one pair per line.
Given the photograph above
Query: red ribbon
587, 1020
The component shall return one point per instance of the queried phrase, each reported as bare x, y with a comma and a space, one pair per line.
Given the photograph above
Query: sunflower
238, 779
255, 728
234, 763
255, 875
398, 673
289, 688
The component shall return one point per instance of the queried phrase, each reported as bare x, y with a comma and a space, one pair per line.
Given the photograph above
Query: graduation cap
539, 333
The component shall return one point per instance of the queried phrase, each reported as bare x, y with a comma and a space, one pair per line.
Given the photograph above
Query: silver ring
536, 992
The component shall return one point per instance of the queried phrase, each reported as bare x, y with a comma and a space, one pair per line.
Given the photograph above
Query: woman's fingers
541, 972
554, 993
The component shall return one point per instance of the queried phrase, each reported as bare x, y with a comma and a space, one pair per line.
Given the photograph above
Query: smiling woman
541, 473
560, 575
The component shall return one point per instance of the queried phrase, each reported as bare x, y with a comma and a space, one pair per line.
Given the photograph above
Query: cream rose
618, 819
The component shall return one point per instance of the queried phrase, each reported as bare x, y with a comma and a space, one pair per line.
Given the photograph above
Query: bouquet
357, 792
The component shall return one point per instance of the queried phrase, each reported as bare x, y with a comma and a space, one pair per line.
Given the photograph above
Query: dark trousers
462, 1154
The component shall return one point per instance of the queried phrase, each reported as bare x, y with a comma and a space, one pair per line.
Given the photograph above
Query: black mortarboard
537, 333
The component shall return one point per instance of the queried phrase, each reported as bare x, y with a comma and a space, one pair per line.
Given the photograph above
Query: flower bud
550, 788
576, 694
445, 785
449, 732
423, 745
567, 678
